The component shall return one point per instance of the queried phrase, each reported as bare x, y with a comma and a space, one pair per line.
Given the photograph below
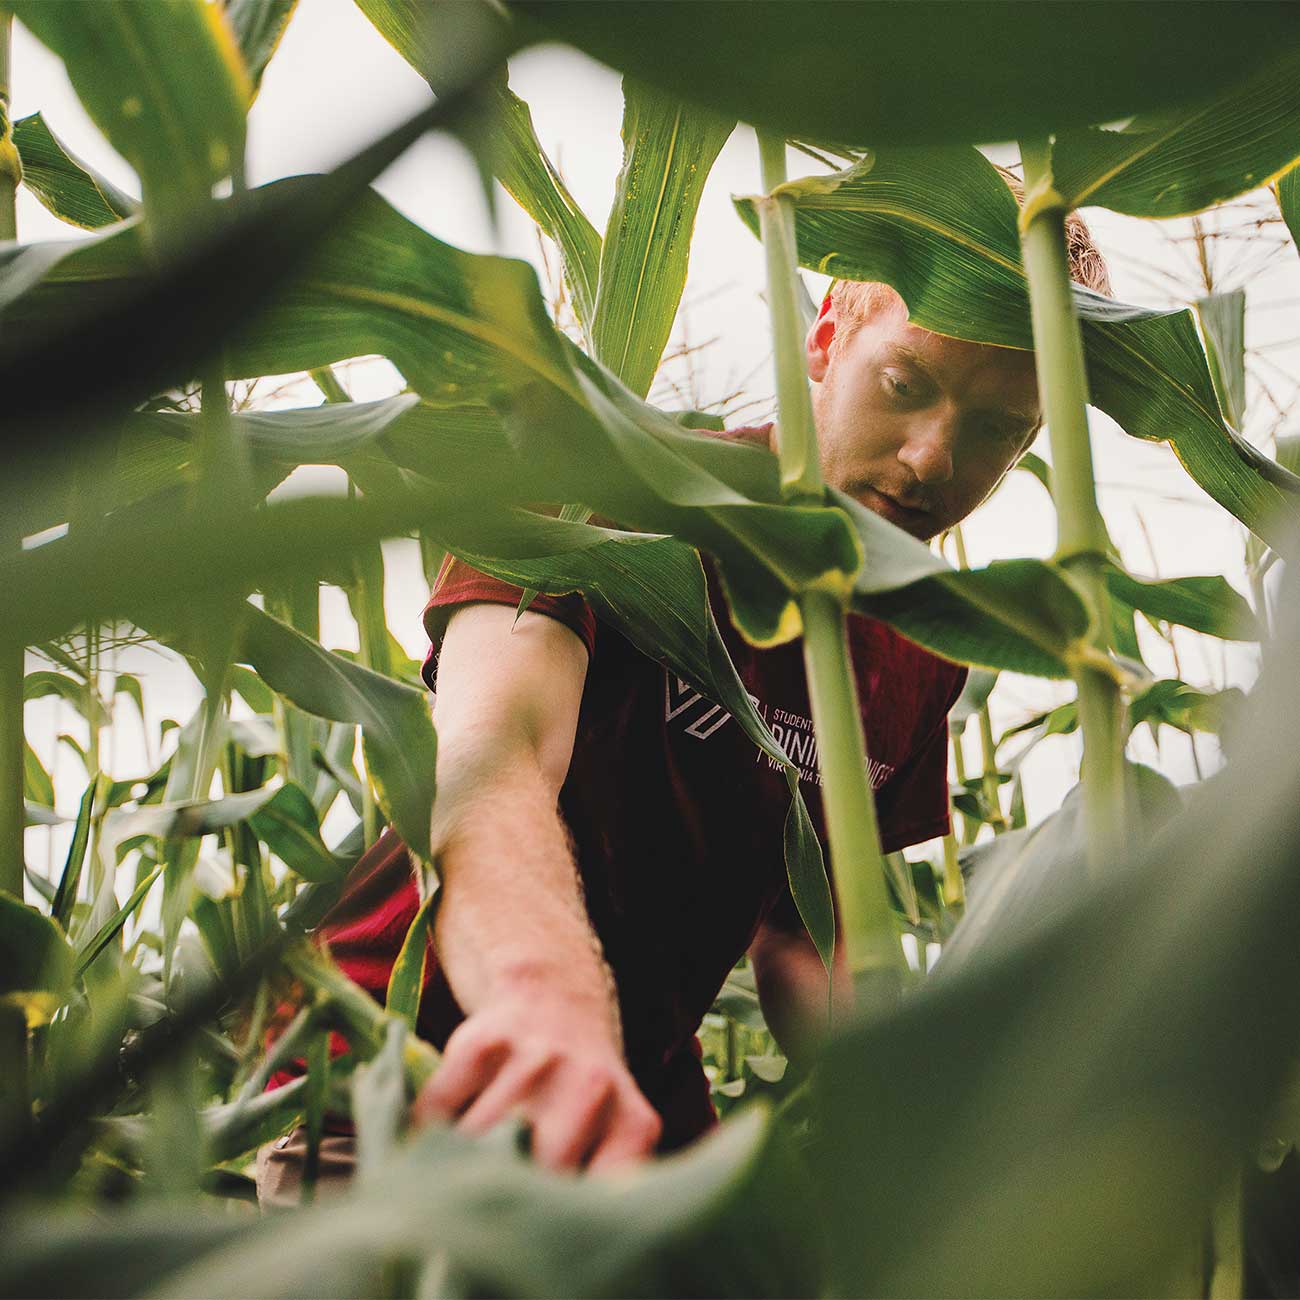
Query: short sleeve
460, 584
913, 804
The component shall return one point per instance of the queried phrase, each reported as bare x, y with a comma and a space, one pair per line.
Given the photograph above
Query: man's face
916, 426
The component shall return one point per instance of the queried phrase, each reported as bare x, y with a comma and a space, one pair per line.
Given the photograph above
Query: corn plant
1097, 1093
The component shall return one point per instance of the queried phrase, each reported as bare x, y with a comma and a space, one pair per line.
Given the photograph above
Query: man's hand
541, 1034
548, 1057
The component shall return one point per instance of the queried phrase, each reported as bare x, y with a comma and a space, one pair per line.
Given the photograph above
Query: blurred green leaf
1204, 604
1179, 705
379, 1101
1017, 615
66, 186
283, 817
836, 71
668, 150
940, 227
974, 695
66, 895
406, 981
513, 151
44, 682
288, 824
165, 84
38, 788
255, 692
37, 970
1017, 881
714, 1222
258, 26
186, 305
1173, 163
1111, 1049
38, 814
462, 326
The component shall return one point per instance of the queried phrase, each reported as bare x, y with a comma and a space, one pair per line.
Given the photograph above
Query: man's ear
818, 343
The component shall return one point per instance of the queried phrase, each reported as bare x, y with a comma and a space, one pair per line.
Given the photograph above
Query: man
609, 842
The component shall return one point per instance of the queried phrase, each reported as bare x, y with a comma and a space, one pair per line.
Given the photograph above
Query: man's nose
928, 448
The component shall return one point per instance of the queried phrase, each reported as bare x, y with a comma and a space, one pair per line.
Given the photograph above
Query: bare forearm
511, 910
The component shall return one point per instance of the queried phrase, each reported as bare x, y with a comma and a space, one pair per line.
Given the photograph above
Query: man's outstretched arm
792, 985
542, 1032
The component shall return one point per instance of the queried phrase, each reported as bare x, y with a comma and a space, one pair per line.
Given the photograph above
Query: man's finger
515, 1083
563, 1137
632, 1136
467, 1068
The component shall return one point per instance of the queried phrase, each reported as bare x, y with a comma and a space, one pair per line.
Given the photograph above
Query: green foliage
940, 227
163, 82
1168, 164
65, 185
1069, 1088
870, 75
668, 149
258, 27
38, 961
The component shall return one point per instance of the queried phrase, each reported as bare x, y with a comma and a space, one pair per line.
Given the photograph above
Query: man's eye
900, 387
1003, 432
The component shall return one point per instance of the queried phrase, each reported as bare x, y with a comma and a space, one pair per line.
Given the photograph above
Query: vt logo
682, 698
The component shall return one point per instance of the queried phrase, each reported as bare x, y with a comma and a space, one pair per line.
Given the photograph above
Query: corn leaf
513, 153
406, 982
155, 452
164, 82
940, 226
69, 188
465, 327
37, 969
88, 949
257, 26
44, 682
396, 725
38, 788
879, 74
65, 897
186, 306
283, 817
379, 1096
1223, 326
1098, 1083
1204, 604
668, 150
1176, 704
1175, 163
1288, 201
715, 1222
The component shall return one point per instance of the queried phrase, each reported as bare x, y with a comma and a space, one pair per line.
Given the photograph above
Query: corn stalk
1081, 543
871, 936
15, 1100
12, 817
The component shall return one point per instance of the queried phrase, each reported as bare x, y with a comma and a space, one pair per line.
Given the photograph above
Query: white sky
335, 84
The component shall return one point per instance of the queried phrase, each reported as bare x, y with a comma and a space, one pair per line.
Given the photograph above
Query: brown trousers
279, 1168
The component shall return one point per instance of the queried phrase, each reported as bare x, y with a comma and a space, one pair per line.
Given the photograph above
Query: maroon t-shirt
677, 821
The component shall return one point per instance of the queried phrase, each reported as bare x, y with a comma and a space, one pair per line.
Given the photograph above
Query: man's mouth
906, 515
